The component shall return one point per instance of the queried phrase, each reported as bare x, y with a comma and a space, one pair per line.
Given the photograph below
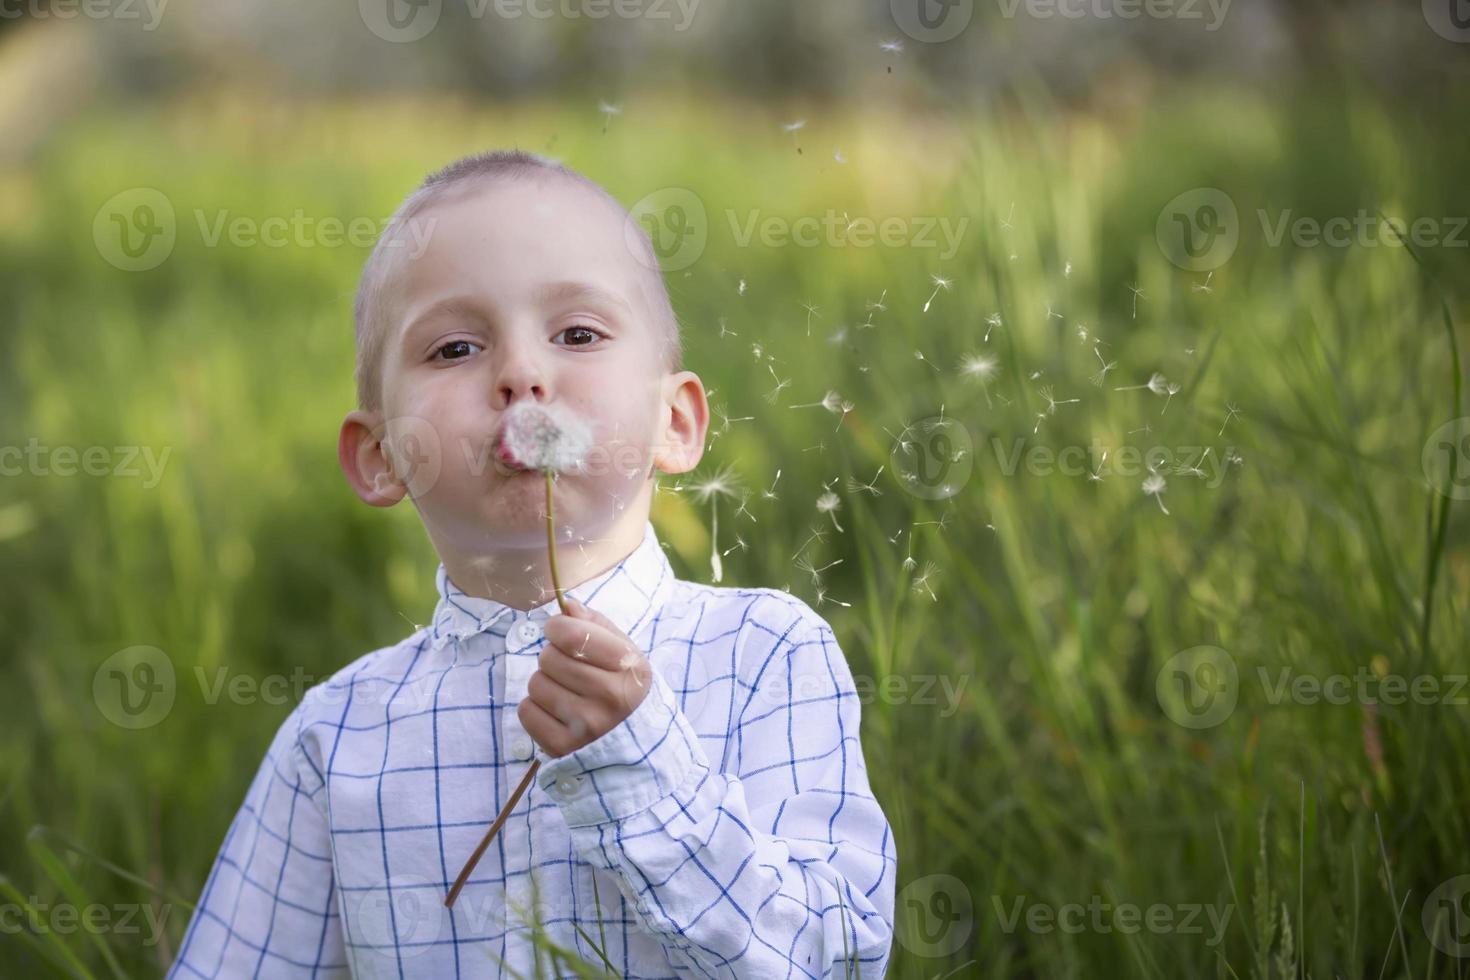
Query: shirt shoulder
767, 609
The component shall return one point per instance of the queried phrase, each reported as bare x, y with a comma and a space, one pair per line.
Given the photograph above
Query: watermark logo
932, 21
135, 230
674, 223
1450, 19
936, 914
400, 21
134, 688
1102, 917
1198, 688
401, 917
414, 452
1446, 917
1446, 459
1199, 229
933, 457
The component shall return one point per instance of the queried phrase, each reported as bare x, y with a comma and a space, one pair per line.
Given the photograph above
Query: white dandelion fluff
1154, 485
544, 437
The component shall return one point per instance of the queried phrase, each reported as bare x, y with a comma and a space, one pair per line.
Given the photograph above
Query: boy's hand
591, 677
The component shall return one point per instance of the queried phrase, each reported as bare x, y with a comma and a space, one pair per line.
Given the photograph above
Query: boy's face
528, 291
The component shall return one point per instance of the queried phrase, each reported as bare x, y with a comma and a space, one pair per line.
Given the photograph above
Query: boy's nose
520, 376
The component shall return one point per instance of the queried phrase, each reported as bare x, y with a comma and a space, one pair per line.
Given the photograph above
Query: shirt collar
630, 594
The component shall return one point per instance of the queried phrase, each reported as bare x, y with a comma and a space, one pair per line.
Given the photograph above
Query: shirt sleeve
269, 906
784, 870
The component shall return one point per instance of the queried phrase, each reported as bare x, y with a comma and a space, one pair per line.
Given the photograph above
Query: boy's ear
364, 462
681, 443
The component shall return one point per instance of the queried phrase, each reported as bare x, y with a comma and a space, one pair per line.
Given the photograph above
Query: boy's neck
521, 577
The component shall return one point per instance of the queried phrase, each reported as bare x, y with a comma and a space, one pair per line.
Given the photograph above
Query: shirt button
520, 749
524, 633
567, 786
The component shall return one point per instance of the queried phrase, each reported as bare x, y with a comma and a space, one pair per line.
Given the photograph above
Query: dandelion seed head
544, 437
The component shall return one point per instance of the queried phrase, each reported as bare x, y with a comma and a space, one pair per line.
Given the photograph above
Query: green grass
1056, 600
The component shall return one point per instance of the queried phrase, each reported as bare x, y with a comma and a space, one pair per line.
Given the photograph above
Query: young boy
702, 807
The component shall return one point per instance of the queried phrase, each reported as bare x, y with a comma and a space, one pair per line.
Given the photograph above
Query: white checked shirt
726, 827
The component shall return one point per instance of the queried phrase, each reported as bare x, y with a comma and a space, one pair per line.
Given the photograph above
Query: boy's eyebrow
565, 290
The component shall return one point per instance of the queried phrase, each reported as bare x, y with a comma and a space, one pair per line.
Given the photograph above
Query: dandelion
1101, 376
837, 156
549, 438
721, 484
543, 437
940, 283
1082, 334
1051, 314
1006, 221
1096, 475
1067, 270
877, 304
828, 503
1204, 287
919, 356
1154, 486
804, 564
740, 288
608, 111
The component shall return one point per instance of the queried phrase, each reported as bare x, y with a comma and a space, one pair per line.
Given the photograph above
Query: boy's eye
580, 336
455, 350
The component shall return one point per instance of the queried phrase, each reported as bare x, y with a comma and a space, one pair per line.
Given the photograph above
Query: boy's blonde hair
462, 175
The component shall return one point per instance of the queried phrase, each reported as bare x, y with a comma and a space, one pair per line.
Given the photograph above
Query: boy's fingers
592, 637
542, 726
577, 675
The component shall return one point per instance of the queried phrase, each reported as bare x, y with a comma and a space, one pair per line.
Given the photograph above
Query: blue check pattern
726, 828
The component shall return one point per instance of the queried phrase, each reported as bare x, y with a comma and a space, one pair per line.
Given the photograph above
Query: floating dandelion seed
1052, 314
856, 486
1006, 221
1173, 390
1067, 270
818, 534
940, 283
1195, 470
980, 368
771, 493
774, 393
804, 564
1107, 366
921, 581
793, 128
1096, 475
1082, 334
810, 312
1230, 412
1154, 486
991, 322
608, 111
919, 356
1133, 288
1157, 384
1052, 403
877, 304
721, 484
837, 155
1204, 287
828, 503
890, 47
740, 288
832, 402
726, 331
744, 496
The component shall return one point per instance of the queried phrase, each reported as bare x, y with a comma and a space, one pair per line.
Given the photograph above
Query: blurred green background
1042, 727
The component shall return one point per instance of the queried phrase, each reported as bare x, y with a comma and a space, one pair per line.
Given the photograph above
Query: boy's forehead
523, 232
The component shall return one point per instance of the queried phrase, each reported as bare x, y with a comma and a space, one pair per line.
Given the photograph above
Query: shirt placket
523, 647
